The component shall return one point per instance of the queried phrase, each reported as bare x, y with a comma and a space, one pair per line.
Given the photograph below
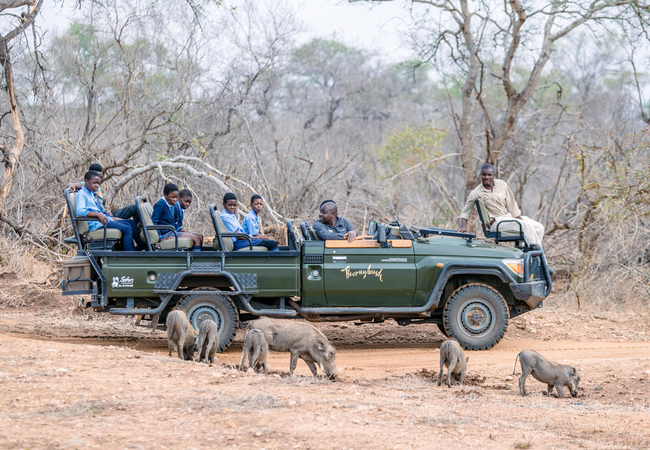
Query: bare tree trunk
11, 158
465, 128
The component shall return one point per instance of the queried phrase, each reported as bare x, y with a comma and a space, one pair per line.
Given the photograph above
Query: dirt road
81, 392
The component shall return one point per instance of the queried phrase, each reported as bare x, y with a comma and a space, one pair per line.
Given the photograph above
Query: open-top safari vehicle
470, 289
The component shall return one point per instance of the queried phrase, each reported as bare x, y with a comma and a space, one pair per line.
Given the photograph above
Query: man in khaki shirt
500, 205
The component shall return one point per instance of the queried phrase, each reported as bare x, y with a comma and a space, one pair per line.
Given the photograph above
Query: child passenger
230, 221
165, 212
251, 223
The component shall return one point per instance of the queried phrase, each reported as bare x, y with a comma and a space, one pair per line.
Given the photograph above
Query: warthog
553, 374
302, 340
452, 357
207, 342
256, 348
180, 333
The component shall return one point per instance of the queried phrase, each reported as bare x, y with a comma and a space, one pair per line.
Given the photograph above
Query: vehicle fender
453, 269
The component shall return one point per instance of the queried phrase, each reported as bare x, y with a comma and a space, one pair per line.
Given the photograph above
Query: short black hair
326, 201
96, 167
169, 188
229, 196
91, 174
488, 166
255, 197
185, 193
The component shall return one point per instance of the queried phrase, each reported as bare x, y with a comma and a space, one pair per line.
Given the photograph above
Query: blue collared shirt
231, 223
88, 202
251, 224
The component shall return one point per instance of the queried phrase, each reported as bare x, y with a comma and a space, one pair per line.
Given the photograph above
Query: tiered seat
222, 236
101, 238
150, 234
516, 236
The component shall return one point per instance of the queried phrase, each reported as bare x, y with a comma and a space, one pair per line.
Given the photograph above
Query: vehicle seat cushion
170, 244
98, 235
221, 228
147, 211
256, 248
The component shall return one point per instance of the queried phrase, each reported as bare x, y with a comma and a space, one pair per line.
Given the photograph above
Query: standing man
330, 226
500, 205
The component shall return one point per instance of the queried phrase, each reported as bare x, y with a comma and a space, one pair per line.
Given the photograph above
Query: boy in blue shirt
165, 212
89, 205
230, 221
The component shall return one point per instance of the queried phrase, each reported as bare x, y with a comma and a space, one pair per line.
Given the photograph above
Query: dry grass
26, 263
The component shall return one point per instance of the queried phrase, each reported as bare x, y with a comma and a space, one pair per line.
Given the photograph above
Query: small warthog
553, 374
302, 340
207, 342
180, 333
452, 357
256, 348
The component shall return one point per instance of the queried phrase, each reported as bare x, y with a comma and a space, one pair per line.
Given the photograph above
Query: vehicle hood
454, 247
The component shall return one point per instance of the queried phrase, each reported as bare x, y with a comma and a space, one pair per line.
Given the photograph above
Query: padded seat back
82, 225
483, 216
314, 235
147, 212
220, 228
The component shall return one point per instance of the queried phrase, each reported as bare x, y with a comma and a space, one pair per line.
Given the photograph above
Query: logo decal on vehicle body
122, 282
363, 273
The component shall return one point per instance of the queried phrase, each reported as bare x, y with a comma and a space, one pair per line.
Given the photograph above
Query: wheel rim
476, 318
205, 311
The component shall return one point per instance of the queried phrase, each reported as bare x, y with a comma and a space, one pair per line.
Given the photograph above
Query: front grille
312, 259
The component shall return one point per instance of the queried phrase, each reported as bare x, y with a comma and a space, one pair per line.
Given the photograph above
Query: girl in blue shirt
165, 212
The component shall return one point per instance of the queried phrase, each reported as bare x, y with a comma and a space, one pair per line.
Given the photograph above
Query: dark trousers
271, 245
129, 233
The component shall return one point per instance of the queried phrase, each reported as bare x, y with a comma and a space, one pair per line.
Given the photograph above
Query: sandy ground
73, 379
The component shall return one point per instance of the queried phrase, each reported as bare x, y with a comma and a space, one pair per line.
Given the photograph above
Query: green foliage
409, 146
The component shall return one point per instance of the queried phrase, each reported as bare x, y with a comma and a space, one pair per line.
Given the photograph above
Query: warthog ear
320, 345
466, 360
573, 371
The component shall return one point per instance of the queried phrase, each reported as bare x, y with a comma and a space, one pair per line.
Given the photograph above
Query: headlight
516, 265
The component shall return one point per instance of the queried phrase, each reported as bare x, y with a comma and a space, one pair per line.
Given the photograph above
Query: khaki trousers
533, 231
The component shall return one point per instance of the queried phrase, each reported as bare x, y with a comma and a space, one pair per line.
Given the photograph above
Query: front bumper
532, 293
539, 285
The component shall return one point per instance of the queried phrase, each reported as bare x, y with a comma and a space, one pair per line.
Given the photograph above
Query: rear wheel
476, 316
219, 308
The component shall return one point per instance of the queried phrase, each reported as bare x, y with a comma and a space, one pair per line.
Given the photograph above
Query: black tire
476, 315
216, 307
441, 327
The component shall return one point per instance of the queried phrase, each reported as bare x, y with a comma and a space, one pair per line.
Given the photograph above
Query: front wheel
219, 308
476, 315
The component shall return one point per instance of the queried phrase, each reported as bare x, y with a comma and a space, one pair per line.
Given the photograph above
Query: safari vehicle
470, 289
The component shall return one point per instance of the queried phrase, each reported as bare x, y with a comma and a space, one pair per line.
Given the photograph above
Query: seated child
89, 205
251, 223
184, 201
229, 218
165, 212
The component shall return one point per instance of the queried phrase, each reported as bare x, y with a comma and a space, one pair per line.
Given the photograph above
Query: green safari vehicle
470, 289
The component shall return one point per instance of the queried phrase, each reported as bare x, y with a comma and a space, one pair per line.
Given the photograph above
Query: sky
371, 27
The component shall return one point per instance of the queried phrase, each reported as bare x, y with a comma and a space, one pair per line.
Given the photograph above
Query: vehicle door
362, 273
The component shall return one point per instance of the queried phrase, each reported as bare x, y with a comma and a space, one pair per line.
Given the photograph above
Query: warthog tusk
338, 372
